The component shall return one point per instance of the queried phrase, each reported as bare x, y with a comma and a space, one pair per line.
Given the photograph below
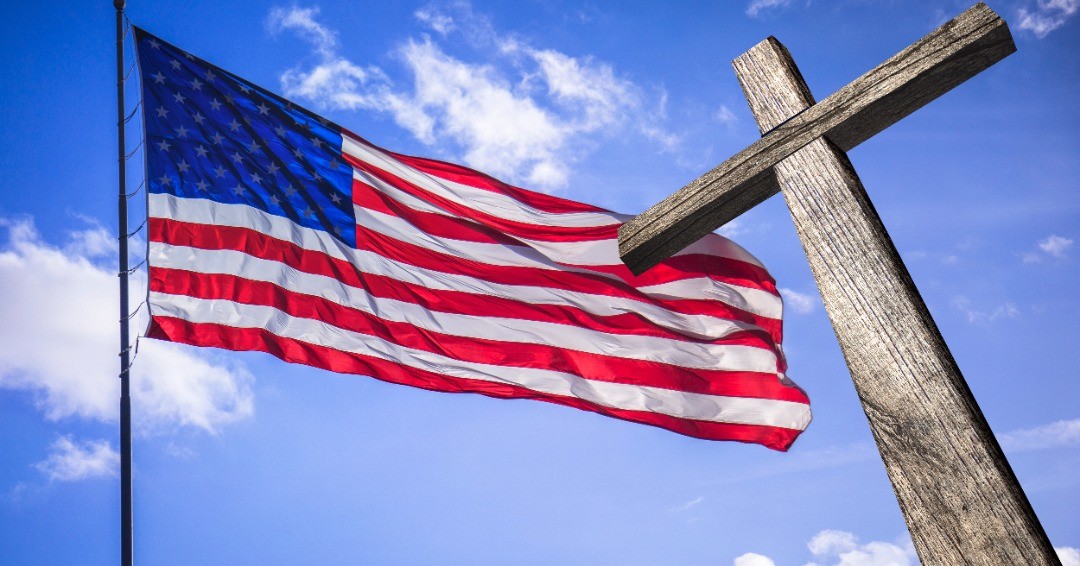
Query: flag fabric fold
276, 230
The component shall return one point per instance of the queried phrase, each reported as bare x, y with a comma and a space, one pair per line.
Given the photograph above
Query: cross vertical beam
958, 494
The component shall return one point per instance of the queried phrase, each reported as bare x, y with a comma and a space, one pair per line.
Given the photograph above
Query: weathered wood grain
958, 494
946, 57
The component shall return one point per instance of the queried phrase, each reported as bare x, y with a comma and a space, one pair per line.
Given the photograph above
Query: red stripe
571, 280
220, 336
542, 232
260, 245
688, 266
692, 266
438, 225
511, 354
474, 178
478, 304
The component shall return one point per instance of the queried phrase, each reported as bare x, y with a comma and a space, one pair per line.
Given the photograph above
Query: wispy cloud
944, 258
302, 21
58, 340
801, 303
1045, 16
1053, 435
732, 229
756, 7
436, 20
688, 505
798, 462
979, 315
724, 115
69, 460
1053, 246
333, 82
517, 111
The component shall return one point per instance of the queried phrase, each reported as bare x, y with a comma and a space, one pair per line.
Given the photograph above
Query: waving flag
273, 229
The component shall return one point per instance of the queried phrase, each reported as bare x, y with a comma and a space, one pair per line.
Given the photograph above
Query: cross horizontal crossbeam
909, 80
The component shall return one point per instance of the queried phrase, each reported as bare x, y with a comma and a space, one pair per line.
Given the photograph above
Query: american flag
273, 229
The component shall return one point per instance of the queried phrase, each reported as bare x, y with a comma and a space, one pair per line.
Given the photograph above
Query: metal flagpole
125, 348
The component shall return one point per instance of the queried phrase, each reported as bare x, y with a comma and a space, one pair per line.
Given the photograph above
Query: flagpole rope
133, 313
137, 146
136, 231
135, 354
133, 350
137, 266
133, 110
137, 189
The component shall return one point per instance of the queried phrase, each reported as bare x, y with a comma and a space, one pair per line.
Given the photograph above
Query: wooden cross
958, 494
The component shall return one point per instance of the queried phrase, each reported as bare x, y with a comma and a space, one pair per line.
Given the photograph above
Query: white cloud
93, 242
831, 542
334, 82
841, 548
799, 302
59, 341
1046, 16
71, 461
757, 6
1053, 435
753, 559
1068, 556
977, 315
502, 132
590, 87
844, 548
519, 112
1053, 246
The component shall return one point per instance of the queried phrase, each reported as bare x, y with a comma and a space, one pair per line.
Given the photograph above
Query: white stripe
203, 211
679, 404
695, 326
507, 207
487, 202
730, 357
583, 253
601, 252
719, 246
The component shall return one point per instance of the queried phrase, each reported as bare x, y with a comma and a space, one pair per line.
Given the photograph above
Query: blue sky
240, 458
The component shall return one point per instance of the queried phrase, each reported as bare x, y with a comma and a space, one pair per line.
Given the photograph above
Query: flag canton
213, 135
